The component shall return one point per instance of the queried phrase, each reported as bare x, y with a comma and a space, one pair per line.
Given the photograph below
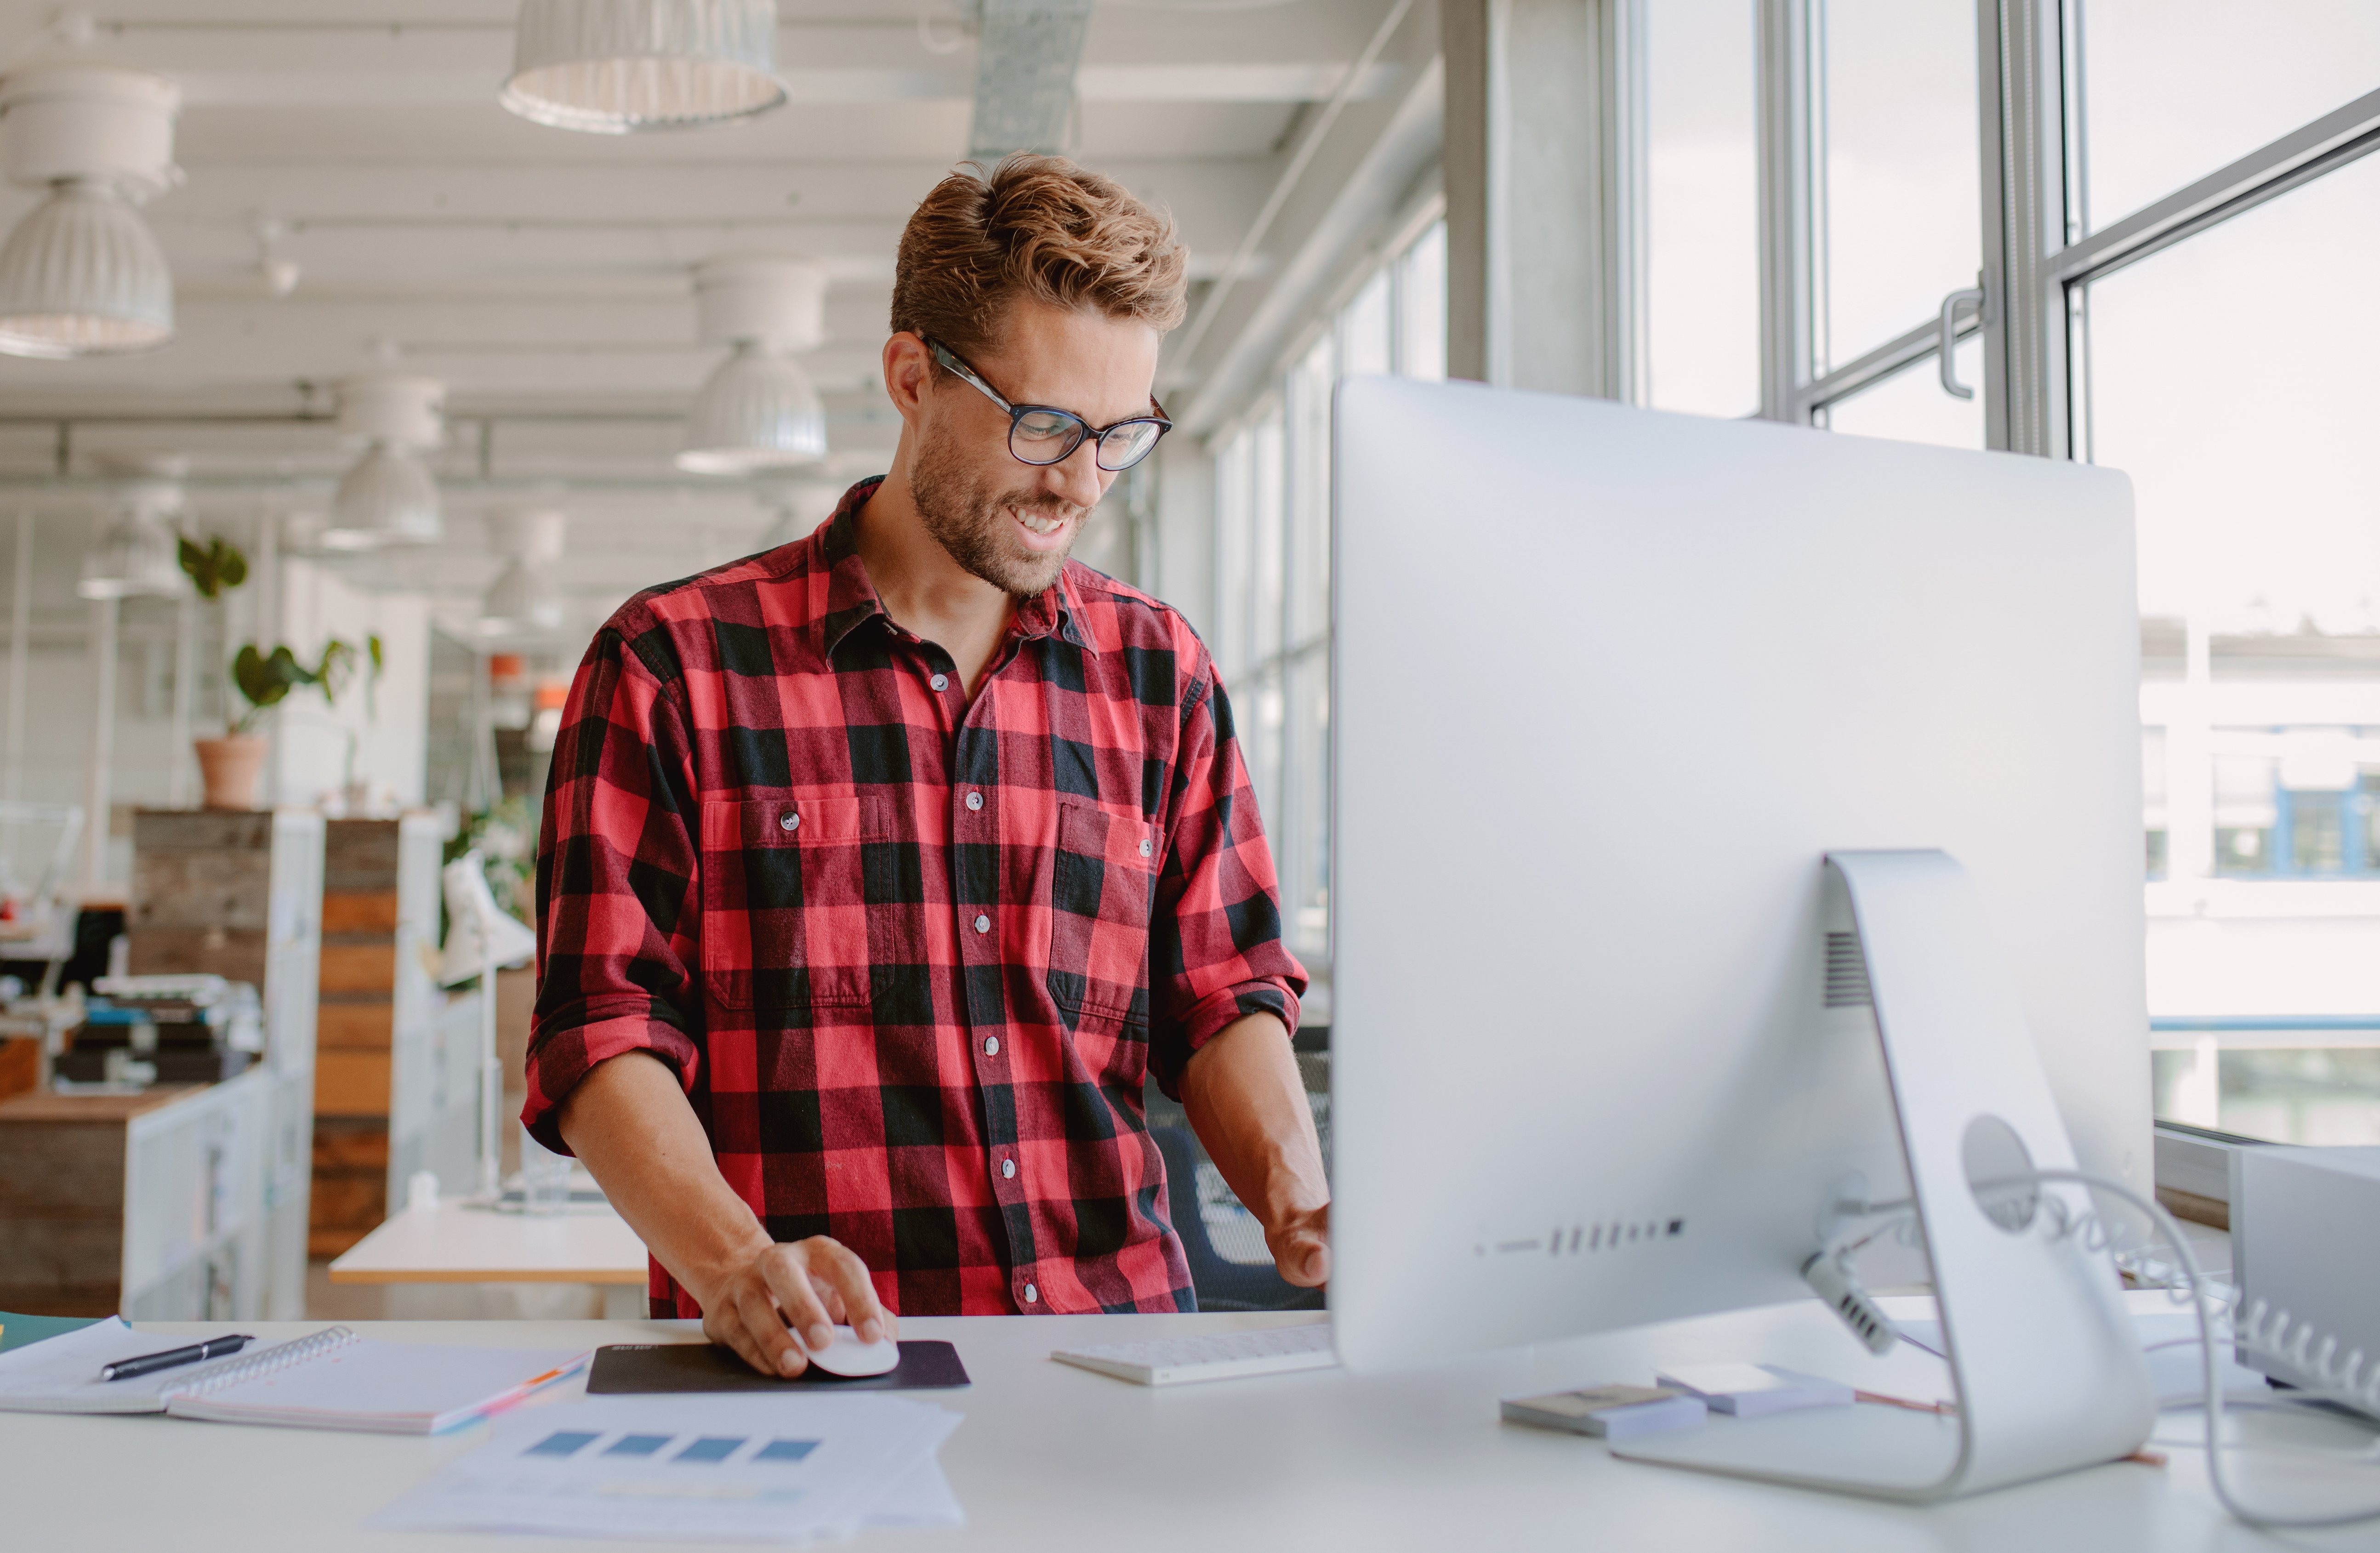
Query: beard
970, 521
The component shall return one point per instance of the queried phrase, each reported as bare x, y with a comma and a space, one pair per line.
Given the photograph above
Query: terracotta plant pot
229, 767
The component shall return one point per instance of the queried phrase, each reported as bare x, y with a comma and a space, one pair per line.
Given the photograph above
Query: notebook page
61, 1374
397, 1388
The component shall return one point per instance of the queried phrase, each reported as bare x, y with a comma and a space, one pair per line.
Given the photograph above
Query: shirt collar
851, 598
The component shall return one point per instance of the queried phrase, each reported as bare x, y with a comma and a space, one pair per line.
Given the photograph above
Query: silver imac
1610, 689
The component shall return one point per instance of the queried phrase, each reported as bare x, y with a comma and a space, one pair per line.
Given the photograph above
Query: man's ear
908, 373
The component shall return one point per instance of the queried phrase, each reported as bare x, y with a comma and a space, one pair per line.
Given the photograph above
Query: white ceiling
542, 275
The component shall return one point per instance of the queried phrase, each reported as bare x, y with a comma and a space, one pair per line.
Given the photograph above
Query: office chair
1242, 1280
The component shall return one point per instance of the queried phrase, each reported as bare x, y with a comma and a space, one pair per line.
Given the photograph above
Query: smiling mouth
1038, 523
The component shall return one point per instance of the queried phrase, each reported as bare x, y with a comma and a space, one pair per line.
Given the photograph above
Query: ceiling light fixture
389, 498
622, 67
526, 600
760, 410
139, 556
82, 274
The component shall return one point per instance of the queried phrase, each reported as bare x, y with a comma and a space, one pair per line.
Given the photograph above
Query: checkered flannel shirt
913, 959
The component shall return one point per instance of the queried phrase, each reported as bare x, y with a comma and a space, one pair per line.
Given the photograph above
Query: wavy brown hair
1039, 227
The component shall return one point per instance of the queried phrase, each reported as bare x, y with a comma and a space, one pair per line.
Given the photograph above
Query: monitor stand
2047, 1374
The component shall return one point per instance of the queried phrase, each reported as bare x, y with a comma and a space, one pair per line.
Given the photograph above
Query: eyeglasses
1043, 435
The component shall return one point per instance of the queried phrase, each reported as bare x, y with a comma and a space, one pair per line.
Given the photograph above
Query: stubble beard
972, 526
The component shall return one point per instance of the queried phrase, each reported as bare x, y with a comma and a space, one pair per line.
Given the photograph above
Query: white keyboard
1215, 1357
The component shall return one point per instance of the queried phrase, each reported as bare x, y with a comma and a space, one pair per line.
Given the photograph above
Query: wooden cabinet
394, 1085
166, 1206
354, 1030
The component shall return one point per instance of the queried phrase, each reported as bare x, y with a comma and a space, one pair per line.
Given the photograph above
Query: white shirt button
940, 682
982, 923
1145, 849
974, 800
1008, 1169
991, 1046
788, 819
1032, 1295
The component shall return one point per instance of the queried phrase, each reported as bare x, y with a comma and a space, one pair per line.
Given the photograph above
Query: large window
1273, 553
1891, 156
2144, 234
2147, 230
1701, 208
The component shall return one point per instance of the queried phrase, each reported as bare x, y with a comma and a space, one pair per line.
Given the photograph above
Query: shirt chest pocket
785, 899
1103, 882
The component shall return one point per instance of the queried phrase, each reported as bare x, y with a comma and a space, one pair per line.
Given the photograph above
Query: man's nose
1077, 478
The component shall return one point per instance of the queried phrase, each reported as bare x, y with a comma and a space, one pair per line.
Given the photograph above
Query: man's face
1011, 523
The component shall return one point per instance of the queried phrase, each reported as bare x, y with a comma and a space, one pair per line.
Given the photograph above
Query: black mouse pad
629, 1367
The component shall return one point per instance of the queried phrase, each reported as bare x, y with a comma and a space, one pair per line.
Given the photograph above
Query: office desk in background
1053, 1459
455, 1243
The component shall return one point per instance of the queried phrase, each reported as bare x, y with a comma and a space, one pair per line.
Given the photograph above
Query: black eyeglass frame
1083, 430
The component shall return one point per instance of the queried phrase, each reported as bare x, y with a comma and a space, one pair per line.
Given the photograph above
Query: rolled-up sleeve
1216, 946
616, 881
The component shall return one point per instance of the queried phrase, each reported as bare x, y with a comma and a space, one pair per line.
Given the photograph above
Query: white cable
2262, 1330
2194, 1283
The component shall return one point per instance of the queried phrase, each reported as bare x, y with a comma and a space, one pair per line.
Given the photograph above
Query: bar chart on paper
778, 1467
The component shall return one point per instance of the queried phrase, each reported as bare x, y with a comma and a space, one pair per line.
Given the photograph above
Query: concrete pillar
1544, 156
1182, 570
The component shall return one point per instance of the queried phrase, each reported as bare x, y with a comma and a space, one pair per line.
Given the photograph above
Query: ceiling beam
1359, 174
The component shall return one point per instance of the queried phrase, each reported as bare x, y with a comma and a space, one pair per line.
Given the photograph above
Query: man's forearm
1245, 1098
631, 1125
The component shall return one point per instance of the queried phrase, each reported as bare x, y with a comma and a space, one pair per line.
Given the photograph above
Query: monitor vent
1846, 973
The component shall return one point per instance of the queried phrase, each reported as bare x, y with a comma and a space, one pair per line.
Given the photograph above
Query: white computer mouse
849, 1357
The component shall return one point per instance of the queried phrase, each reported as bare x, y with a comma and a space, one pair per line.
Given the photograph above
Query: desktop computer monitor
1607, 687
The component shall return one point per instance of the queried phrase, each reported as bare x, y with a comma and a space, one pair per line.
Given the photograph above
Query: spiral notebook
331, 1379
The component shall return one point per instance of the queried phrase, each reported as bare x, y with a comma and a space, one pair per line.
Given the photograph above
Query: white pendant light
82, 274
139, 556
526, 600
389, 498
759, 410
621, 67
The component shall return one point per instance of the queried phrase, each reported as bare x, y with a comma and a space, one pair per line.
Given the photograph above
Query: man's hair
1037, 227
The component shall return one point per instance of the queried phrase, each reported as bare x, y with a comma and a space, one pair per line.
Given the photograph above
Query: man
879, 870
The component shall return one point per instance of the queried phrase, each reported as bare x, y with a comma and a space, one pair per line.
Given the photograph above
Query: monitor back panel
1607, 684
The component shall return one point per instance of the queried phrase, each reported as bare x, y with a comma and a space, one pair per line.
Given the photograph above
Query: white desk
454, 1244
1053, 1457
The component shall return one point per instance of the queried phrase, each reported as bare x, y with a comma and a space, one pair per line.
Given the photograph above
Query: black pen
147, 1364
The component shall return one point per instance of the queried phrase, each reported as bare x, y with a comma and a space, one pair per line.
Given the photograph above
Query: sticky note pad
1756, 1391
1614, 1412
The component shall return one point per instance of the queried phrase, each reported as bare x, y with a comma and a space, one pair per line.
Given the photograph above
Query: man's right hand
786, 1299
629, 1123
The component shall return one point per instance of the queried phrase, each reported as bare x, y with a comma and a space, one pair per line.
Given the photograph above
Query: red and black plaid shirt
912, 958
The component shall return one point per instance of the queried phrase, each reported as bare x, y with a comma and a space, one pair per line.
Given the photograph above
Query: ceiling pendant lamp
760, 410
526, 600
389, 498
139, 556
82, 274
622, 67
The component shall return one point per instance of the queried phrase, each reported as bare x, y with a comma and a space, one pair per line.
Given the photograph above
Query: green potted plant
228, 766
231, 764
